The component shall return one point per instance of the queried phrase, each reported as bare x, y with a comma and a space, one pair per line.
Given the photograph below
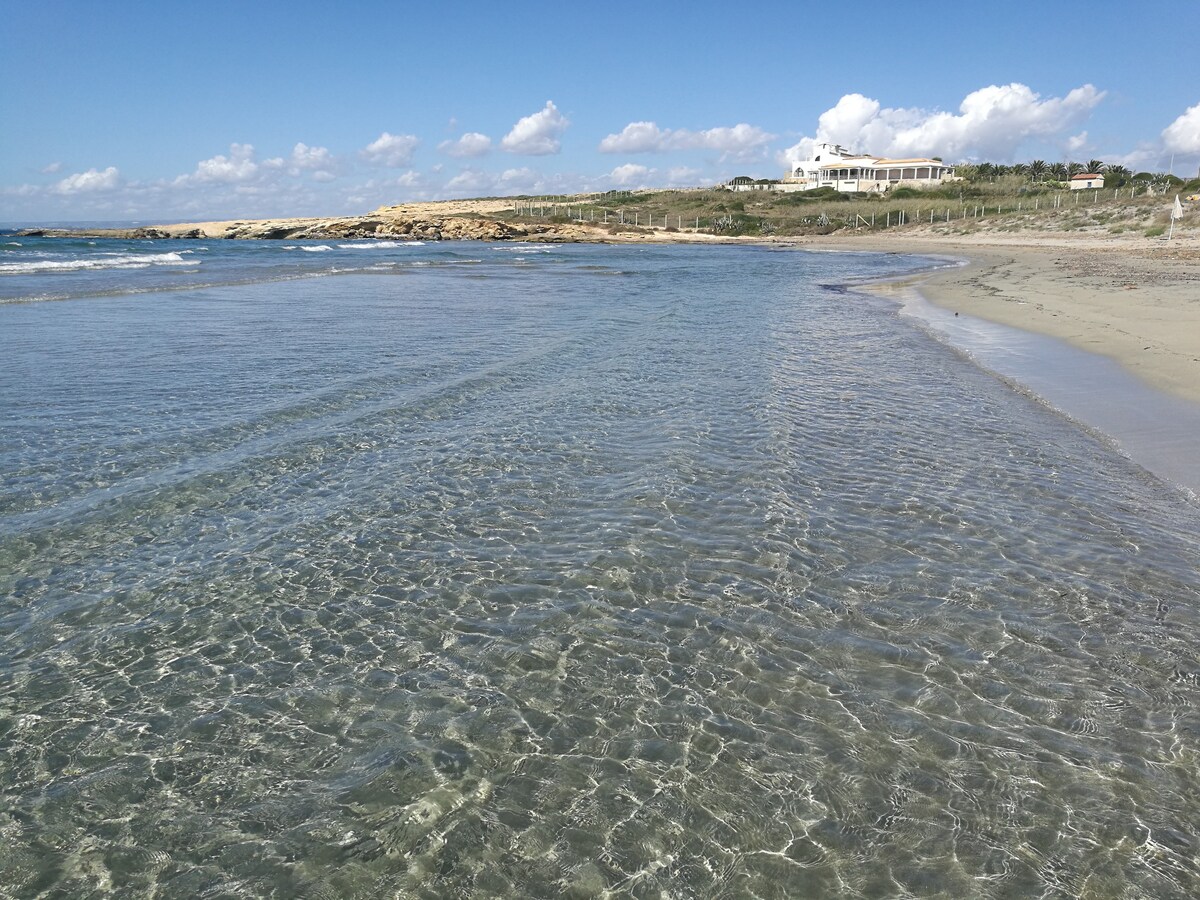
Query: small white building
1085, 180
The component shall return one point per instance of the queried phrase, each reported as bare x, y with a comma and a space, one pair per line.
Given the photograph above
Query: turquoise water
489, 570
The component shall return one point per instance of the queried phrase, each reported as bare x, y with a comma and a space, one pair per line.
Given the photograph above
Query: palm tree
1020, 168
1096, 166
1037, 169
1058, 171
1074, 168
1116, 176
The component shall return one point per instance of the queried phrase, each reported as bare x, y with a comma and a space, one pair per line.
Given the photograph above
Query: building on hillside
834, 166
1085, 180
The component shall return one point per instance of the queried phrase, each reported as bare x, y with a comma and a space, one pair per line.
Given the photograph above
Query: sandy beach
1135, 300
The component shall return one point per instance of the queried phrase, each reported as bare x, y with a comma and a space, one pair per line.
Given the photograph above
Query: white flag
1177, 212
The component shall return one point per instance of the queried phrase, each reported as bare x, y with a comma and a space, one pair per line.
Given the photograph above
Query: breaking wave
127, 261
380, 245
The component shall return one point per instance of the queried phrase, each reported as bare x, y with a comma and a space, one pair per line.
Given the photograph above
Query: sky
132, 111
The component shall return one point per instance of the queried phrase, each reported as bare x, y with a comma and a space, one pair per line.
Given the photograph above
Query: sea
399, 569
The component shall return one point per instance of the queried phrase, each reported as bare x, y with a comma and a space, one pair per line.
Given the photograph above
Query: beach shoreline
1136, 301
1066, 323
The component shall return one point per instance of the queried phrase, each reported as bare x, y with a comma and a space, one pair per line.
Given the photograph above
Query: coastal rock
149, 233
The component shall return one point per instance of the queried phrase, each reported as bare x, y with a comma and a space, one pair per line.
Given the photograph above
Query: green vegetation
1026, 196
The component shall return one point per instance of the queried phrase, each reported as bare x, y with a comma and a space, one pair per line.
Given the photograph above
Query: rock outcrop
383, 224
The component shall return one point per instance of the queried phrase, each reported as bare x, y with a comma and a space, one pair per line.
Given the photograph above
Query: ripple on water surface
701, 581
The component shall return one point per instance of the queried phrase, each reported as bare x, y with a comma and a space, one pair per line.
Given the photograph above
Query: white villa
834, 166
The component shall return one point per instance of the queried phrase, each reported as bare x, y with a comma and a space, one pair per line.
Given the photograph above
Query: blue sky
172, 111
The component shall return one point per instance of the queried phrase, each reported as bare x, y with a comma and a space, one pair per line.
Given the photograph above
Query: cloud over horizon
469, 146
317, 160
1183, 135
239, 165
537, 134
991, 123
391, 150
90, 181
646, 137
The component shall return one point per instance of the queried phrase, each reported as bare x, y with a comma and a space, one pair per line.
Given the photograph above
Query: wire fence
853, 214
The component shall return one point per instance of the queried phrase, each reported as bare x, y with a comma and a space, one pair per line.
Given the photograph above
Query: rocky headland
413, 222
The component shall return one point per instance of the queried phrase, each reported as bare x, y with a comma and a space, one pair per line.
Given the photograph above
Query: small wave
380, 245
13, 244
317, 249
524, 248
131, 261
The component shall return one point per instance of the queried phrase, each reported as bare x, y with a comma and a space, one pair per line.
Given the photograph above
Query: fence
853, 214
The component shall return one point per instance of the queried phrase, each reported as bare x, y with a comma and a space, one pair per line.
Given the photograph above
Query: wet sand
1108, 332
1134, 300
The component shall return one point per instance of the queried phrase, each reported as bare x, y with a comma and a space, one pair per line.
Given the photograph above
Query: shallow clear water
502, 571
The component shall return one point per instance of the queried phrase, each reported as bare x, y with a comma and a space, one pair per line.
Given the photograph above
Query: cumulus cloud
991, 123
52, 168
90, 181
646, 137
317, 160
469, 146
630, 174
1183, 135
537, 134
1077, 143
391, 150
239, 165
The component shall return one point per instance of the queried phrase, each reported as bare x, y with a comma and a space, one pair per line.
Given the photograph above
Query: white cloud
991, 123
470, 181
521, 180
304, 158
469, 146
239, 165
391, 150
1077, 143
739, 141
683, 175
630, 174
1183, 135
89, 181
538, 134
314, 158
52, 168
636, 137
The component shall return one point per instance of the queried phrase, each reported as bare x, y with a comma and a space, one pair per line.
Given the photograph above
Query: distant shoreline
1132, 298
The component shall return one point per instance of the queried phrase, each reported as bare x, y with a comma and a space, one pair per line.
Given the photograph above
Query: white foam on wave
524, 248
380, 245
119, 261
13, 244
320, 248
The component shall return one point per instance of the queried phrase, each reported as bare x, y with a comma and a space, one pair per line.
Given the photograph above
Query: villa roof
1087, 175
882, 161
